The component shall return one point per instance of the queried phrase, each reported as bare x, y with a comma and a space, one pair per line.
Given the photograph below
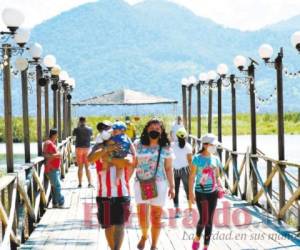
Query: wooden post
190, 87
26, 132
59, 114
47, 125
39, 110
198, 110
6, 48
219, 84
280, 125
184, 108
69, 115
251, 76
234, 127
269, 188
210, 100
226, 171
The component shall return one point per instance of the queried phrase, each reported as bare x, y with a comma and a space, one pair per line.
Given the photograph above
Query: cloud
240, 14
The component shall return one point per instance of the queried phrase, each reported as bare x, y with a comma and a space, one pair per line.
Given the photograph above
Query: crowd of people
157, 161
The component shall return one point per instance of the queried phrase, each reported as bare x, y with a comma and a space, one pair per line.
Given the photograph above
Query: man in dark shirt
83, 135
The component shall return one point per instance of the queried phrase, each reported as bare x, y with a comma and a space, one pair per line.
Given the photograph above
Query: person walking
83, 135
52, 165
113, 198
182, 164
206, 169
176, 125
131, 129
154, 174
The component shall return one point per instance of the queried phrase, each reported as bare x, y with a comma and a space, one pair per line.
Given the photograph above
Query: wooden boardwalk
75, 227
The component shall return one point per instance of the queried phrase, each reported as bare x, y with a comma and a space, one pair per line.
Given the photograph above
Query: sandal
142, 243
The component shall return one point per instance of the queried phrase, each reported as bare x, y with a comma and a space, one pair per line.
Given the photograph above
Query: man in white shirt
176, 125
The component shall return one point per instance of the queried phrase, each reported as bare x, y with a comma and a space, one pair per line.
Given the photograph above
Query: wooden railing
239, 171
24, 197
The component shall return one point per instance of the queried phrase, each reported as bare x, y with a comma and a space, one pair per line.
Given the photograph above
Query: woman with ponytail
181, 164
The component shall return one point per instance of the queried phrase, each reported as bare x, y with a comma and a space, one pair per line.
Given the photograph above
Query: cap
181, 133
107, 123
119, 125
210, 139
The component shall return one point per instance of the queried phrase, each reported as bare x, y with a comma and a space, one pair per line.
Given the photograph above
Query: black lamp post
240, 63
184, 83
265, 52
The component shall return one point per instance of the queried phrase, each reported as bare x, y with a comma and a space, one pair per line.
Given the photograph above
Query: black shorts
113, 211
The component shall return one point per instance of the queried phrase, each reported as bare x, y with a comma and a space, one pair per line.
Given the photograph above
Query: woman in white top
181, 163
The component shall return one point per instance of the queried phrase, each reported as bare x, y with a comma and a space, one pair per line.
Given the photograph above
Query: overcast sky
240, 14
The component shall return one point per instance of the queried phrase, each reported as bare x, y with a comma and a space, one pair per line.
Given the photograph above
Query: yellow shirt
130, 131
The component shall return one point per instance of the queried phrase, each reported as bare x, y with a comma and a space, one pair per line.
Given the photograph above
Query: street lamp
241, 63
295, 39
63, 77
211, 77
266, 52
191, 82
49, 61
202, 80
12, 19
71, 86
55, 71
184, 83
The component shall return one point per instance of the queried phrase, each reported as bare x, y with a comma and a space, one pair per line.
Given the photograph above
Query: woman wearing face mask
154, 162
206, 169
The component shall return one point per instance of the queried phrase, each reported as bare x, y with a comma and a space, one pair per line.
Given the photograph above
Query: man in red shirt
52, 165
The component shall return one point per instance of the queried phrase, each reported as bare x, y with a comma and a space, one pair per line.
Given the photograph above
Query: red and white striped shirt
107, 182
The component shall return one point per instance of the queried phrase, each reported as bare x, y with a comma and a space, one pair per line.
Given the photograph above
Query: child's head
118, 128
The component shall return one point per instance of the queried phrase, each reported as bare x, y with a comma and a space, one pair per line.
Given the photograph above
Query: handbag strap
157, 164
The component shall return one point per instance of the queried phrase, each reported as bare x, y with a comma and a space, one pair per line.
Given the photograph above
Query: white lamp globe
222, 69
49, 61
203, 77
55, 70
295, 39
71, 82
21, 63
12, 18
211, 75
192, 80
36, 51
22, 36
63, 76
265, 51
240, 62
184, 82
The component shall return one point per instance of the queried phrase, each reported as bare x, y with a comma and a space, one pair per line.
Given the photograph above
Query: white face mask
106, 134
212, 149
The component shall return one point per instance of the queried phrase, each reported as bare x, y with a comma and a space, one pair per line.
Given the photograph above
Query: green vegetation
266, 124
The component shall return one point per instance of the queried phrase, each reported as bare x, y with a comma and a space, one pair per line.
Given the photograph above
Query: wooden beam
289, 203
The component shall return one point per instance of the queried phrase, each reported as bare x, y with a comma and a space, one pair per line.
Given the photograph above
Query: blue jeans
57, 197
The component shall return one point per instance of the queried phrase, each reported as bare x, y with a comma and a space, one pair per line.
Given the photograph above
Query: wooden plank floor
75, 227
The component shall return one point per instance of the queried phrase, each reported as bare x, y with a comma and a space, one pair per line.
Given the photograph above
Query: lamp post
191, 81
211, 76
265, 52
202, 80
184, 83
36, 52
12, 19
240, 62
69, 100
55, 71
295, 39
234, 127
49, 61
22, 66
63, 76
